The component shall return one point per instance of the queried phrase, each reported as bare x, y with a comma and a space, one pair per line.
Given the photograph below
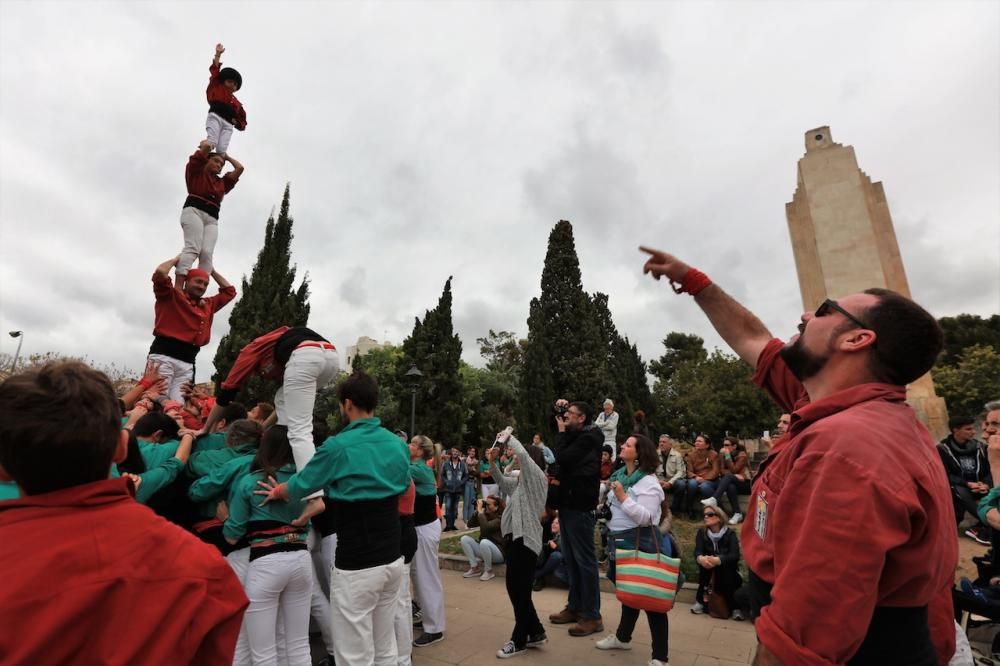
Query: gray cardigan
527, 492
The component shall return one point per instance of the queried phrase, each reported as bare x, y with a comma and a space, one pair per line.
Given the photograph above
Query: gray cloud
424, 140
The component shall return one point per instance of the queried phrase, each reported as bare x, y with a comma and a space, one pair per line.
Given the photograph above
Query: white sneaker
697, 609
711, 501
657, 662
488, 575
736, 519
472, 572
611, 642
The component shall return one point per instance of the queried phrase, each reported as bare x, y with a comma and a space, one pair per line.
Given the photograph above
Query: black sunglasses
827, 305
711, 515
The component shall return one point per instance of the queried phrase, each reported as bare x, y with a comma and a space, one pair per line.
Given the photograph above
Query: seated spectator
735, 477
672, 472
490, 547
551, 559
702, 473
84, 597
717, 551
965, 462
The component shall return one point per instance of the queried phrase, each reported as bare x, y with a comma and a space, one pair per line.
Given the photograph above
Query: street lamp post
413, 376
20, 336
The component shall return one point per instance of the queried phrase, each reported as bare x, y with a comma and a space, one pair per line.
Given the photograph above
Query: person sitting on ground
717, 552
490, 547
735, 479
79, 597
702, 471
551, 559
968, 470
636, 497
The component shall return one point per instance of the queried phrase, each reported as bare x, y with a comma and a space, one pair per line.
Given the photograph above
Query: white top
641, 507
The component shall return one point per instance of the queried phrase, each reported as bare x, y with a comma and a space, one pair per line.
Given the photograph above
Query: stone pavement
480, 619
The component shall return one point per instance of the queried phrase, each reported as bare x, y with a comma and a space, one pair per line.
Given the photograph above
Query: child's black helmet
228, 73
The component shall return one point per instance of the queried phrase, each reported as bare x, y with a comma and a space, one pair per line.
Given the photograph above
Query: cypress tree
564, 335
436, 350
627, 385
268, 300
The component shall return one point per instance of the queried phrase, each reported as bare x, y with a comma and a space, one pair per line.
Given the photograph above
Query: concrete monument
844, 242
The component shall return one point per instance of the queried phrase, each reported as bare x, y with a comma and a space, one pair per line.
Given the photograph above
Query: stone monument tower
844, 242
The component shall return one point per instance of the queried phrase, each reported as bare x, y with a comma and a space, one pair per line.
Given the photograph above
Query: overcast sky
423, 140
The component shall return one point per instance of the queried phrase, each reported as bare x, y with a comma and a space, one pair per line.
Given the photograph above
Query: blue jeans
451, 508
577, 529
732, 487
469, 502
555, 566
705, 489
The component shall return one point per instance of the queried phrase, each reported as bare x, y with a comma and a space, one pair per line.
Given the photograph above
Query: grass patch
452, 545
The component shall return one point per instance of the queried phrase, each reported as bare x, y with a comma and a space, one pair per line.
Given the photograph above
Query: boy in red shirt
224, 111
90, 575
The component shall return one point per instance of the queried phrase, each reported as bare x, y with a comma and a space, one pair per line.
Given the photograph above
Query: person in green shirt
242, 438
157, 436
364, 469
216, 439
280, 575
427, 586
154, 479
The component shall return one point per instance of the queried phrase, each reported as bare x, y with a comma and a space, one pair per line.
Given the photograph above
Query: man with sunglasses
849, 536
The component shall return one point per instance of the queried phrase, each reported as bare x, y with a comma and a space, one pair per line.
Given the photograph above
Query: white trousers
363, 604
219, 131
308, 370
491, 490
427, 577
484, 550
239, 561
279, 580
201, 231
319, 604
177, 373
404, 620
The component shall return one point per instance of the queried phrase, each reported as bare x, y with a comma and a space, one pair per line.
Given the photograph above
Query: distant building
360, 348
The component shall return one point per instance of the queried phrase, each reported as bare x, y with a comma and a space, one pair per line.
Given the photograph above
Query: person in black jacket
968, 470
578, 459
717, 550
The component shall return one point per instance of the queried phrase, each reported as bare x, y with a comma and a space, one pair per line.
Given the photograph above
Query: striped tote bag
647, 581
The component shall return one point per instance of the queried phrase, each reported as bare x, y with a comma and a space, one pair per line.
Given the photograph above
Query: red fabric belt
316, 343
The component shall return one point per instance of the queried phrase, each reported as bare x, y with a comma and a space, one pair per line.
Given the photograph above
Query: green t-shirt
423, 478
244, 505
9, 491
212, 442
155, 455
364, 461
219, 485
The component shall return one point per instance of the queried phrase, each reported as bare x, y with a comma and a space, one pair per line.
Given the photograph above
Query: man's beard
801, 362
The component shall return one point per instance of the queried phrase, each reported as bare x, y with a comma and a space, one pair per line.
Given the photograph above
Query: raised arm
741, 329
219, 50
237, 166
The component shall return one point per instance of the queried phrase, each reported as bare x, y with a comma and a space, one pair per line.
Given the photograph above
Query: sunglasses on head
826, 306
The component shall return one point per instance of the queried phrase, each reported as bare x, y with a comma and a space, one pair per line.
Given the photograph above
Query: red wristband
694, 282
145, 383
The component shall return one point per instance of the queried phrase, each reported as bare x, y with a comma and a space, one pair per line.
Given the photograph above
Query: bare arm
237, 167
221, 281
741, 329
164, 268
219, 50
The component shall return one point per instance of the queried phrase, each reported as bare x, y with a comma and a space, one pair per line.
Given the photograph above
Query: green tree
269, 300
565, 355
626, 376
972, 382
708, 393
436, 350
490, 399
502, 352
964, 331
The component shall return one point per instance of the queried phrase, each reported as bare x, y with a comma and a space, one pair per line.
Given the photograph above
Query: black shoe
538, 585
534, 640
328, 660
428, 639
418, 618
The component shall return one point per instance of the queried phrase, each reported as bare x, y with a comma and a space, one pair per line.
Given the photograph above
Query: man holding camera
577, 476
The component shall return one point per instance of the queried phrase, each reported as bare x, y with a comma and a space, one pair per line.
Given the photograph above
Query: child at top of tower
224, 111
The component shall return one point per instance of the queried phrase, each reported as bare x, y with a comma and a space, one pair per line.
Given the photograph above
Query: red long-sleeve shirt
205, 191
92, 576
218, 94
181, 318
851, 511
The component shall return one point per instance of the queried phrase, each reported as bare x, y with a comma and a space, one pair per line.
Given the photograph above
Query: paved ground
480, 619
